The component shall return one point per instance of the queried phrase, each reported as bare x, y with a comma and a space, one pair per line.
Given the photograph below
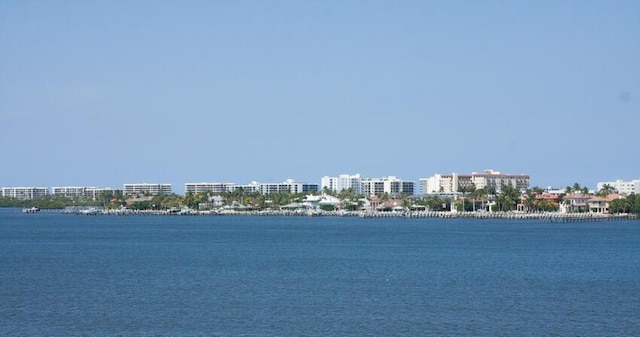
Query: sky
102, 93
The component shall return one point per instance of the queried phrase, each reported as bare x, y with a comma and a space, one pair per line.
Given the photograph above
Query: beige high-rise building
452, 183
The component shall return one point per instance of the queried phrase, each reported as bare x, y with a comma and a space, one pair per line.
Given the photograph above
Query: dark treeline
631, 204
48, 202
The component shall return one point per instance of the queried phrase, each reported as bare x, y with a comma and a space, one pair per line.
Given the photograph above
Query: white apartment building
253, 187
153, 189
208, 187
25, 193
342, 182
436, 185
68, 191
390, 185
623, 187
451, 183
71, 191
80, 192
288, 186
432, 185
95, 192
555, 191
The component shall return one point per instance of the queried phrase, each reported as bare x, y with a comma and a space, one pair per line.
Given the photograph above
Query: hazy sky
102, 93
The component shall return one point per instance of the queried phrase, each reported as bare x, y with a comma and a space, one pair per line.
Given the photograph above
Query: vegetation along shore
534, 203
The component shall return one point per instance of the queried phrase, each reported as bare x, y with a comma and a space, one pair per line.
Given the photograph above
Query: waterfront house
315, 201
372, 202
541, 202
214, 202
394, 205
599, 204
577, 202
137, 199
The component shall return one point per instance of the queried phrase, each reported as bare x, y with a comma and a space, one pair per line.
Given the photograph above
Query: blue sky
101, 93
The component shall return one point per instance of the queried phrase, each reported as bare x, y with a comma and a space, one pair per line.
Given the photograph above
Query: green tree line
48, 202
471, 199
631, 204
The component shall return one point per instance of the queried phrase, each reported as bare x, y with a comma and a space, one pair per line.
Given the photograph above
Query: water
66, 275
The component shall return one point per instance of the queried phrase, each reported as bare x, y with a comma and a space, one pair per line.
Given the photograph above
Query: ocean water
68, 275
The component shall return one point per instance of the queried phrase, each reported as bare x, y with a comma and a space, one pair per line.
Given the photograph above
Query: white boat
30, 210
89, 211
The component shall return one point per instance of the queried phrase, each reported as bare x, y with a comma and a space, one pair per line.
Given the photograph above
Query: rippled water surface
68, 275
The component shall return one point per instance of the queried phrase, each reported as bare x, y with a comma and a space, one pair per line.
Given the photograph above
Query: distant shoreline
547, 216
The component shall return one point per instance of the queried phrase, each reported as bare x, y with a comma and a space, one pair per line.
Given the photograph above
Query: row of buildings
88, 192
288, 186
438, 184
362, 186
368, 186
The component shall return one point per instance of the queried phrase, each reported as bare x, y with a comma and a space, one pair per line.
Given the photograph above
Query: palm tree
475, 195
406, 203
484, 195
606, 190
620, 206
530, 202
326, 190
347, 193
189, 199
105, 197
170, 201
634, 203
508, 198
434, 203
466, 189
576, 187
281, 198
